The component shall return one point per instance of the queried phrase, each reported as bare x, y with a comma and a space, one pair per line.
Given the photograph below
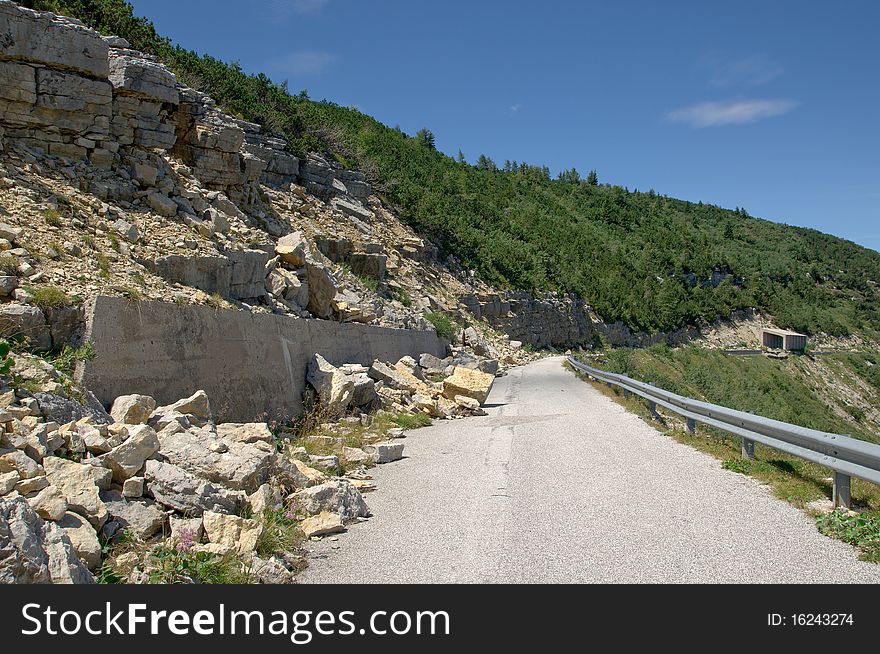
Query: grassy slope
629, 254
794, 390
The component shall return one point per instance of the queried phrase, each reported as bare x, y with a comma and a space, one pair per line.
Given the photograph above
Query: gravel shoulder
560, 484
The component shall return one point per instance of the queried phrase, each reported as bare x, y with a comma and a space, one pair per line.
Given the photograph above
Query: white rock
386, 452
132, 409
231, 531
323, 524
127, 459
49, 503
83, 538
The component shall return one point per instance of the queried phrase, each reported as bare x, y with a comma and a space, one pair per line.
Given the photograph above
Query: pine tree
426, 138
592, 178
485, 163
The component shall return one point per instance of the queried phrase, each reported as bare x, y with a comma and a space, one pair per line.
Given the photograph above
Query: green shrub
8, 264
65, 360
443, 324
50, 297
175, 565
6, 362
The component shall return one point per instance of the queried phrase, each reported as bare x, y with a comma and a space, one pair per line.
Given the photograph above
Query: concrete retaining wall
251, 366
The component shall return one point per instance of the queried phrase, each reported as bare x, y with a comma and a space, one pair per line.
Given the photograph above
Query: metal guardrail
847, 457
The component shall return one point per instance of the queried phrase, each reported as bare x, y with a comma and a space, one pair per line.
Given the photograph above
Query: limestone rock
270, 571
337, 496
8, 480
465, 402
196, 405
292, 249
396, 378
127, 230
49, 503
354, 455
62, 410
231, 531
162, 205
335, 388
182, 491
470, 383
56, 41
323, 524
25, 321
18, 461
312, 476
127, 459
83, 538
80, 485
140, 518
265, 497
248, 432
363, 392
186, 531
133, 487
240, 466
33, 551
322, 290
386, 452
134, 75
329, 463
132, 409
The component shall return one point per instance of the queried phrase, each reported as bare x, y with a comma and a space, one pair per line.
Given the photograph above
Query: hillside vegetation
653, 262
837, 393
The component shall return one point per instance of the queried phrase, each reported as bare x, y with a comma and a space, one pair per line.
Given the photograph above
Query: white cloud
750, 71
515, 107
306, 62
730, 112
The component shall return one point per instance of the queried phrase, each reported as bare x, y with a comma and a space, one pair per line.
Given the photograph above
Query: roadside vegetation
650, 261
320, 436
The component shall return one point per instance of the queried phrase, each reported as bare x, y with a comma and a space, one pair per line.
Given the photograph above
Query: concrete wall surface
252, 366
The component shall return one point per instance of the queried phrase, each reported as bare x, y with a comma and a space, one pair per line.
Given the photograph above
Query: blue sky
773, 106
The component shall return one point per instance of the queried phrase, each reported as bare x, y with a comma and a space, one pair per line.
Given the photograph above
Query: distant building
781, 339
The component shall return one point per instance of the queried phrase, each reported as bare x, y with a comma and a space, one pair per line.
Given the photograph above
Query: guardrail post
748, 449
652, 406
692, 425
626, 394
841, 495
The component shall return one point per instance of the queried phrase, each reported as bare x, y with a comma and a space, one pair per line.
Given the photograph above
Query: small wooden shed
782, 339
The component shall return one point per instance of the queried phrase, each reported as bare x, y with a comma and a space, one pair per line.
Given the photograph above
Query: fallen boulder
337, 496
469, 383
36, 552
230, 531
132, 409
182, 491
323, 524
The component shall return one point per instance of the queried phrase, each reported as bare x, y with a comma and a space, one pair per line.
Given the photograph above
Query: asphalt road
560, 484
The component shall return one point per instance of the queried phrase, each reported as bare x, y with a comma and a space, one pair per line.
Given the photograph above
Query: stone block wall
253, 366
